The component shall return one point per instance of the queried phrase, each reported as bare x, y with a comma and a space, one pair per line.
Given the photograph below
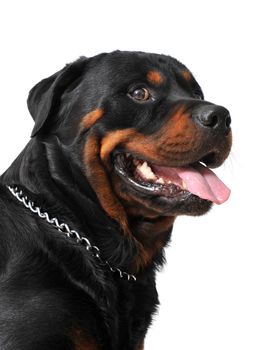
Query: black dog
116, 153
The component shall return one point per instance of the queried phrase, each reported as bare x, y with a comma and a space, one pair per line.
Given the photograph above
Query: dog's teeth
184, 185
146, 171
160, 180
169, 182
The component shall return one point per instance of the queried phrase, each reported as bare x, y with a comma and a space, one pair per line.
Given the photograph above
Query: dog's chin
168, 198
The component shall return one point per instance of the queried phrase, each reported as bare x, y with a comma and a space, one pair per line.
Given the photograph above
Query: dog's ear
44, 98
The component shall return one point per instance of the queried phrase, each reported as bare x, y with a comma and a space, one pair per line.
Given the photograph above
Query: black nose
213, 117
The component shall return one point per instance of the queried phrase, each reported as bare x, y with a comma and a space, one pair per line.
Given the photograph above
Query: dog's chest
125, 319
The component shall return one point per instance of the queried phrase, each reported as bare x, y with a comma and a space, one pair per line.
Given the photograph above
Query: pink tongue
199, 180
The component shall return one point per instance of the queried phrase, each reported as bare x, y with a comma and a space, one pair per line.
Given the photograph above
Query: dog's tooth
184, 185
146, 171
138, 165
139, 168
149, 173
160, 180
147, 167
142, 167
151, 176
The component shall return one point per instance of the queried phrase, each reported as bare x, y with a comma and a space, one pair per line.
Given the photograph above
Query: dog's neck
44, 169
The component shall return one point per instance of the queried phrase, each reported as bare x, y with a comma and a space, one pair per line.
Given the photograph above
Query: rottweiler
122, 144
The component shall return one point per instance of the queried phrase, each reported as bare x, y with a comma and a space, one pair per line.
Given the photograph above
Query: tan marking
177, 135
98, 179
113, 139
179, 130
88, 120
179, 126
187, 75
154, 77
151, 244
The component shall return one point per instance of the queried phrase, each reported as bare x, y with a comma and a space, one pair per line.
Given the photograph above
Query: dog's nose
213, 117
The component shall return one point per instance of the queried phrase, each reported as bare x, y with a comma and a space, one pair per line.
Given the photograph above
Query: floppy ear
44, 98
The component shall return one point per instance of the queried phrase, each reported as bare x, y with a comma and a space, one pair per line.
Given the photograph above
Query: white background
206, 287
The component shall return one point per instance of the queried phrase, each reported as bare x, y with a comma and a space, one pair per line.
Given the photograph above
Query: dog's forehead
128, 65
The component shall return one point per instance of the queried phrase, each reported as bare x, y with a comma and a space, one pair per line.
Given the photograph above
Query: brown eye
141, 94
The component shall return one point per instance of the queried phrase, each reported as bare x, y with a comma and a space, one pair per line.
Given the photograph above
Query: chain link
72, 234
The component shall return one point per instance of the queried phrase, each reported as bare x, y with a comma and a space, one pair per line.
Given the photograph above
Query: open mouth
171, 182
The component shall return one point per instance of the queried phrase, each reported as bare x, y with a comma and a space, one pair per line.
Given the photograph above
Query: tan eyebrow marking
187, 75
88, 120
155, 77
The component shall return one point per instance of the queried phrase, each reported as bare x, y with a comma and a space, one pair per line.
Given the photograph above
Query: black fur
51, 286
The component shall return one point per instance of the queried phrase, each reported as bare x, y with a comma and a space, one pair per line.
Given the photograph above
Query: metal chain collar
72, 234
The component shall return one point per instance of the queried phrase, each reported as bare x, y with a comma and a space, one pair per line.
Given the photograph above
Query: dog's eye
140, 94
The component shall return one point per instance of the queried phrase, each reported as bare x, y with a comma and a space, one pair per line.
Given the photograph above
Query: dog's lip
151, 189
210, 159
171, 182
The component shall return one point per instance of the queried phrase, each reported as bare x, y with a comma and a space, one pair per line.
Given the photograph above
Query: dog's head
140, 130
